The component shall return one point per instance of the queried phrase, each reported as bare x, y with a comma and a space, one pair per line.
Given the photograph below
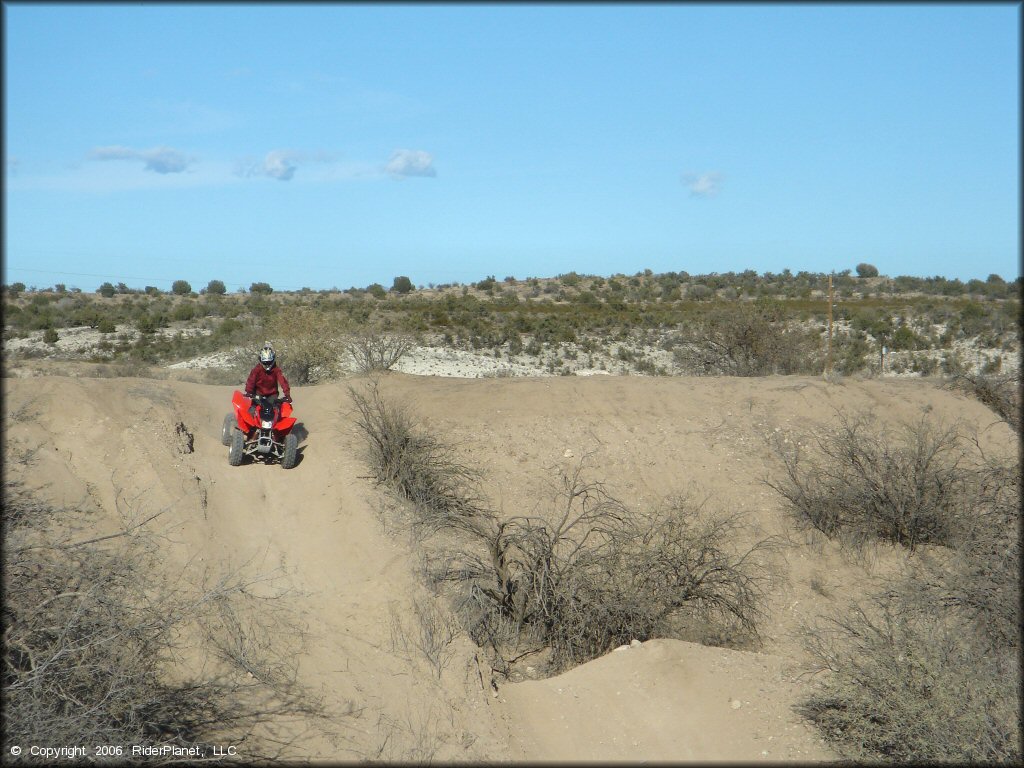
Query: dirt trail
115, 444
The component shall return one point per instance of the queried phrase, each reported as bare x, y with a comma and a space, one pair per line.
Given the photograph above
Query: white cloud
281, 164
159, 159
278, 165
165, 160
410, 162
705, 184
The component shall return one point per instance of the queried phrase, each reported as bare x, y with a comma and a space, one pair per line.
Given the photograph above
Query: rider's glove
287, 398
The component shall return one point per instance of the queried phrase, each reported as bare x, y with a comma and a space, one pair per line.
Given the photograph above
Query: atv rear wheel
230, 425
291, 447
237, 450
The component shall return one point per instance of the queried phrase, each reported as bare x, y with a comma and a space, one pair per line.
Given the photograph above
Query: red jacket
265, 383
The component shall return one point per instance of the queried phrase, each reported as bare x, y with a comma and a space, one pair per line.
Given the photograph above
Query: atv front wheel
230, 425
237, 450
291, 447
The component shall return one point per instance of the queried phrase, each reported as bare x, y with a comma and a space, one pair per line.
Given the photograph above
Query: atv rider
265, 378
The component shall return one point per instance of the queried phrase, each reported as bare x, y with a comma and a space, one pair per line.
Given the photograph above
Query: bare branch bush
433, 634
906, 680
1000, 392
309, 343
578, 577
424, 470
747, 339
928, 668
905, 485
588, 575
977, 577
372, 351
95, 641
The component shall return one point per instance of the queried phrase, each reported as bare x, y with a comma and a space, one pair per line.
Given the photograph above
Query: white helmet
267, 355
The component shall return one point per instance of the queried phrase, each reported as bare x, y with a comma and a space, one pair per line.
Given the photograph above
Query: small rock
567, 454
621, 648
634, 643
735, 704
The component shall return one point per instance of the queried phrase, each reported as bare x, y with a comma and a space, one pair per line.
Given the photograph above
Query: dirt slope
114, 444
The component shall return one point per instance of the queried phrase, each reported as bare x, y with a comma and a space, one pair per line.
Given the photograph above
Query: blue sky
338, 145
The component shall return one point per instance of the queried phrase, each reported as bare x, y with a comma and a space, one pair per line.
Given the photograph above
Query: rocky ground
435, 358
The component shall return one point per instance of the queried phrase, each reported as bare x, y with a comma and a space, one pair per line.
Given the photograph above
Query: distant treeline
643, 285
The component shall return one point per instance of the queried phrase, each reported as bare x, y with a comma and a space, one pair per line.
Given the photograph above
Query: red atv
260, 428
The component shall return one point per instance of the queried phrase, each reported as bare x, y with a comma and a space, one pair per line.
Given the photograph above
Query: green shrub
50, 336
181, 287
106, 290
261, 289
905, 338
308, 342
184, 311
216, 288
746, 339
867, 270
402, 285
146, 324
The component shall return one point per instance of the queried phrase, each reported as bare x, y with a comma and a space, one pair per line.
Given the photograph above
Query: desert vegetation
95, 642
581, 573
649, 324
926, 667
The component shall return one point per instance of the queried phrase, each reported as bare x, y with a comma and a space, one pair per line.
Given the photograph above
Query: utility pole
828, 364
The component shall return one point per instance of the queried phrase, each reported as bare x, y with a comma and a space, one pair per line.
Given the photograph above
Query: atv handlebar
271, 398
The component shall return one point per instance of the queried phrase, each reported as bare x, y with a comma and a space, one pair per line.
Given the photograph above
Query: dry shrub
928, 668
371, 351
309, 344
424, 470
908, 681
977, 577
94, 644
747, 339
433, 634
905, 484
587, 575
999, 392
577, 578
